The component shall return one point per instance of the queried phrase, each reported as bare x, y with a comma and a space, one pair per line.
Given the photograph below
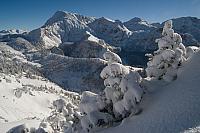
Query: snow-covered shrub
88, 102
99, 118
171, 53
18, 92
64, 115
105, 72
190, 50
111, 57
86, 124
24, 128
131, 84
44, 127
59, 104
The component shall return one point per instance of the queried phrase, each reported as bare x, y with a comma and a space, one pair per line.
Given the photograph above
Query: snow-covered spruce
120, 98
171, 53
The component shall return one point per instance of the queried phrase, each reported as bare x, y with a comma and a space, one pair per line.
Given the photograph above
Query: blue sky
30, 14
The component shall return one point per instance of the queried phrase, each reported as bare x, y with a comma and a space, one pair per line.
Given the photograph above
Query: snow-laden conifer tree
119, 99
164, 62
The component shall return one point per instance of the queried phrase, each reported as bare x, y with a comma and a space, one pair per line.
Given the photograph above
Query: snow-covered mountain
145, 34
137, 24
189, 28
60, 28
113, 32
68, 27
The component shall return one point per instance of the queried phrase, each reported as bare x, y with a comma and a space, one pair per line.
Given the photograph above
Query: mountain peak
62, 15
58, 16
138, 24
105, 19
136, 19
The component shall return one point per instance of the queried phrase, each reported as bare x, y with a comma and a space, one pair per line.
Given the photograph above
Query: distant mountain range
134, 37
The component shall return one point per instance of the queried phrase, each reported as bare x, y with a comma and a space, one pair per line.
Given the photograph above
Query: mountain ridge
135, 36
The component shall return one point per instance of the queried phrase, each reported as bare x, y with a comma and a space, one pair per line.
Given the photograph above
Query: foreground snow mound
170, 107
25, 99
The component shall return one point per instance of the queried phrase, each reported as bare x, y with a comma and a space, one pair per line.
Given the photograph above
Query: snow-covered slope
170, 107
24, 100
11, 105
26, 96
20, 44
89, 47
76, 74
